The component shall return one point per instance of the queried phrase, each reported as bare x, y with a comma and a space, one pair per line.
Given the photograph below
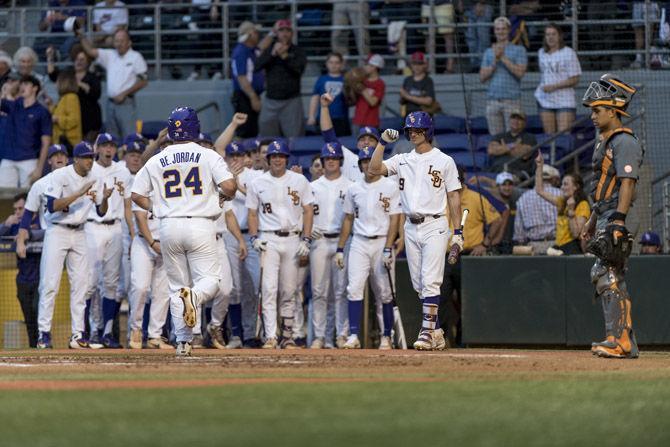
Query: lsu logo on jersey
386, 202
119, 186
341, 196
436, 176
294, 196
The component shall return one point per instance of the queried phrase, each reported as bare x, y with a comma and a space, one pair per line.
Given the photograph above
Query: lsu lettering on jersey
372, 204
245, 179
66, 182
37, 200
329, 198
279, 201
424, 180
116, 176
182, 181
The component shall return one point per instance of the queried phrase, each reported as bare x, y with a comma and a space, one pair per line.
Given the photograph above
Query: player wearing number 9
181, 185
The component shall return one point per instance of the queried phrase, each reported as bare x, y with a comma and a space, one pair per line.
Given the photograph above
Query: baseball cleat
352, 342
188, 299
288, 343
44, 341
183, 349
318, 343
385, 343
78, 341
158, 343
430, 340
198, 342
270, 343
252, 343
94, 341
216, 336
135, 339
109, 342
340, 341
234, 343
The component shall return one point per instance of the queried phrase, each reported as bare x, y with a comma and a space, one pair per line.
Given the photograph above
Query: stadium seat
465, 159
307, 144
534, 124
564, 144
151, 129
448, 124
349, 142
390, 122
479, 125
483, 143
456, 142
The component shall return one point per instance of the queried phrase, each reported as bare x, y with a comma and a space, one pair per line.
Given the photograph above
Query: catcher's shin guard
620, 342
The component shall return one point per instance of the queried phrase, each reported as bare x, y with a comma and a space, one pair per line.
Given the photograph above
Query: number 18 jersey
182, 181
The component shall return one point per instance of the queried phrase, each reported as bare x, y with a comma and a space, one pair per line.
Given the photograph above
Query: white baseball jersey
113, 175
329, 198
372, 204
350, 167
182, 181
152, 222
279, 200
66, 182
245, 178
36, 201
424, 180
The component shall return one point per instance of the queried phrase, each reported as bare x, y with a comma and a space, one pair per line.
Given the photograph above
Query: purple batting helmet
332, 150
183, 125
277, 148
419, 120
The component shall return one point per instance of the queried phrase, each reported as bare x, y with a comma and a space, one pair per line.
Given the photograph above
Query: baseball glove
353, 84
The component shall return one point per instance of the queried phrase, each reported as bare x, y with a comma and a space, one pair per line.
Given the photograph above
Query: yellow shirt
563, 235
473, 231
68, 115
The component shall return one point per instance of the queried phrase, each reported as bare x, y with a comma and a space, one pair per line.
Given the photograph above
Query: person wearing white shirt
126, 75
108, 17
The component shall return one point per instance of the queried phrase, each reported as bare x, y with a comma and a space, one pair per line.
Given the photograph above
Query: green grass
565, 411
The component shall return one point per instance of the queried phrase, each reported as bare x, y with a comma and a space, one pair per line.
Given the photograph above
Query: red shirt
366, 115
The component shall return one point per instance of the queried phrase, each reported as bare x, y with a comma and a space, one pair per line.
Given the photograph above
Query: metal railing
175, 34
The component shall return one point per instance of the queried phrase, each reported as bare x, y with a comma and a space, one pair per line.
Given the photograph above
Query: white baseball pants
224, 296
426, 249
328, 287
246, 277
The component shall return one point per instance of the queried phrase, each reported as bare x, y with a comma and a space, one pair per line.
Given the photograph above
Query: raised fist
390, 135
239, 119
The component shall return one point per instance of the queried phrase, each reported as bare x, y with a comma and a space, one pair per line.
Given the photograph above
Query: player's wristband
458, 232
252, 239
383, 142
152, 243
617, 215
307, 239
387, 251
340, 250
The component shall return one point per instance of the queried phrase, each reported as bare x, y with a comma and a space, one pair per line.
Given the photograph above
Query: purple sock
109, 308
235, 316
355, 311
387, 316
430, 306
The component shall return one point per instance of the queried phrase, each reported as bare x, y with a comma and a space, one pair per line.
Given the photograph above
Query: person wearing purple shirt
28, 134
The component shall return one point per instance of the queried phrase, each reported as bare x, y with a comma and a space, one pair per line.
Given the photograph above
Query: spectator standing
355, 14
332, 83
572, 205
560, 74
28, 275
5, 67
248, 80
650, 244
478, 35
535, 222
512, 150
640, 15
503, 67
109, 16
284, 63
370, 98
25, 60
418, 92
66, 115
88, 91
126, 75
28, 136
445, 18
65, 16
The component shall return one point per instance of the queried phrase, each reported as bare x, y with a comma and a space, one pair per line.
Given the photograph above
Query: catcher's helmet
234, 148
277, 147
365, 153
183, 125
332, 150
419, 120
610, 92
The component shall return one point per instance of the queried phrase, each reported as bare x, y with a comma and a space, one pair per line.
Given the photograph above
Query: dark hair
336, 54
579, 195
67, 82
461, 174
19, 196
315, 157
561, 41
76, 49
32, 80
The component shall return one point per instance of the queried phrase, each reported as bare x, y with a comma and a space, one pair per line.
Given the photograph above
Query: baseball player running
280, 207
181, 184
372, 209
328, 282
429, 190
104, 238
72, 192
616, 164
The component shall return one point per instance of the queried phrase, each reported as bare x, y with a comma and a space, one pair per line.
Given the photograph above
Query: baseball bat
455, 249
259, 317
397, 319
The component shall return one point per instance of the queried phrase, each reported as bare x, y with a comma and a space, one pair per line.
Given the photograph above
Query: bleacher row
450, 135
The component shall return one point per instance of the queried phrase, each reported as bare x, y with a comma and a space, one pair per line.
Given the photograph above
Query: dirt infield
61, 370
